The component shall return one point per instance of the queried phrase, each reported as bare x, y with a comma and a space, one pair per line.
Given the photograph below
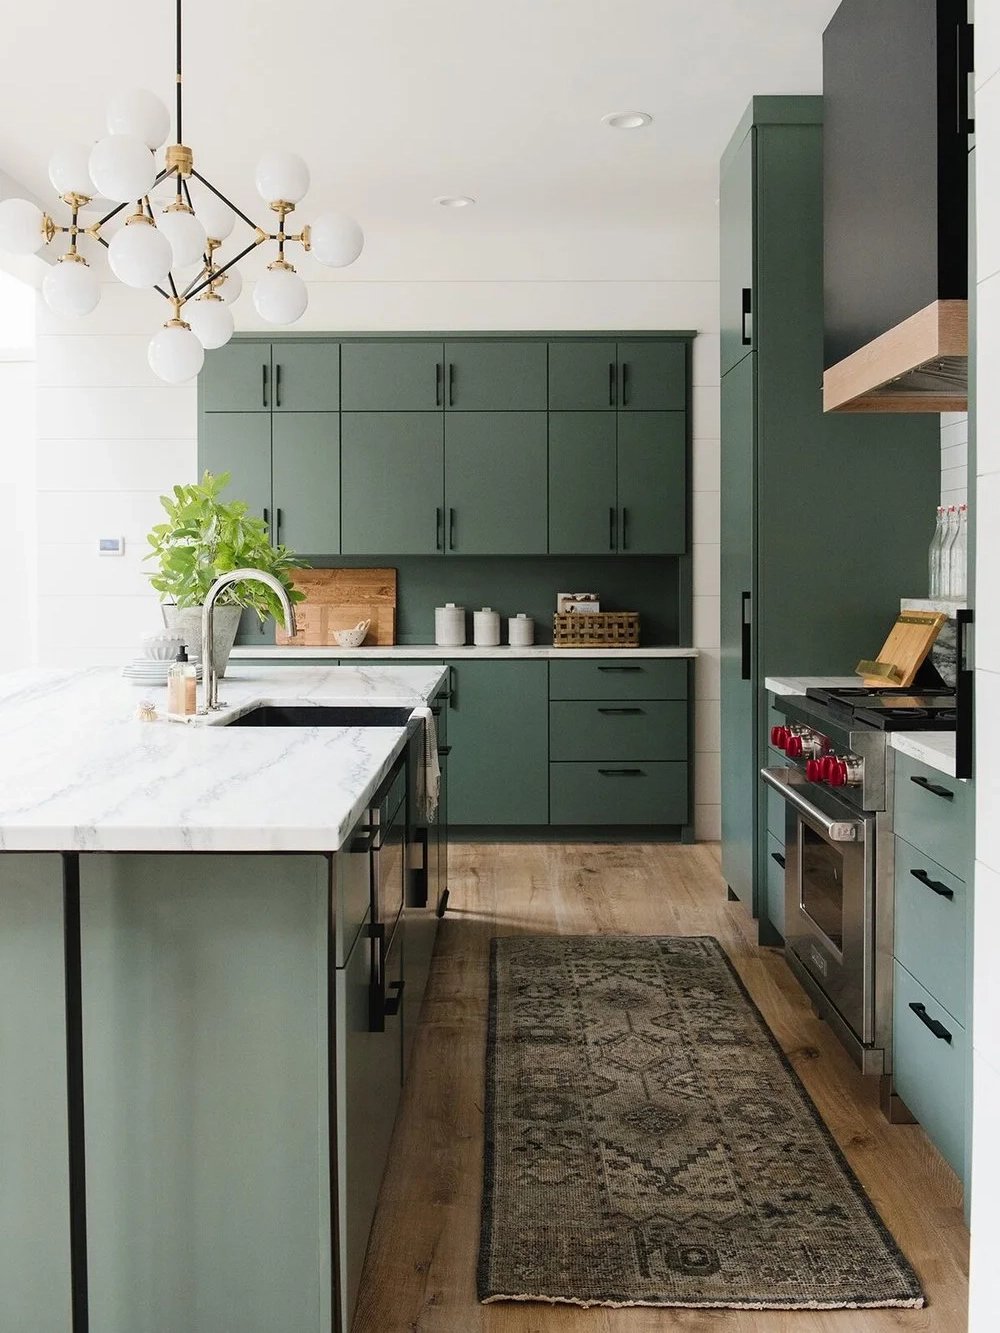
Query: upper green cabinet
583, 483
494, 483
272, 377
237, 378
239, 443
305, 481
386, 376
494, 376
392, 473
464, 375
652, 376
583, 376
737, 213
652, 493
640, 375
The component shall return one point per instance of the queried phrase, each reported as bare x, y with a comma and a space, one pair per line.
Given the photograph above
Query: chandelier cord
180, 136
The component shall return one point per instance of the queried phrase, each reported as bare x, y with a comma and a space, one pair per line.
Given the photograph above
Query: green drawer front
354, 897
776, 883
653, 729
934, 813
930, 926
929, 1072
775, 814
638, 793
600, 678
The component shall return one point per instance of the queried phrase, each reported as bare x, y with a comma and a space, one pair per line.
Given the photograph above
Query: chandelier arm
228, 202
173, 287
196, 279
217, 273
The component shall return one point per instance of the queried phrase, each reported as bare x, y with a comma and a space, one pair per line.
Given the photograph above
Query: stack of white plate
148, 671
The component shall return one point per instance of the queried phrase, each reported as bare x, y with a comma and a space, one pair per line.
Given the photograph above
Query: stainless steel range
837, 788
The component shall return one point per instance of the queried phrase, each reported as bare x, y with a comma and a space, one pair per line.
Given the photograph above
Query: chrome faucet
210, 678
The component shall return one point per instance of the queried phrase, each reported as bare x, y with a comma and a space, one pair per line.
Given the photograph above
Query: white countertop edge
936, 749
432, 651
799, 684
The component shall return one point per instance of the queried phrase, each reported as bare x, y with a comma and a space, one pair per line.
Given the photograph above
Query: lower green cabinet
498, 733
620, 730
619, 793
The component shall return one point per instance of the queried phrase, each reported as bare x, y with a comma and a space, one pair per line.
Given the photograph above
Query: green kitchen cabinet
305, 481
792, 476
237, 378
652, 376
239, 443
652, 487
392, 475
489, 375
495, 483
498, 721
305, 376
387, 376
583, 483
583, 376
604, 794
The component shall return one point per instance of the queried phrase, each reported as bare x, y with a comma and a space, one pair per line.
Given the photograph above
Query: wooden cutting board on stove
338, 599
904, 651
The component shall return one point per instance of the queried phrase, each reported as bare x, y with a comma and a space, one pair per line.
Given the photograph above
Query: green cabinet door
237, 378
740, 782
583, 376
652, 487
736, 228
583, 483
387, 376
306, 377
305, 474
239, 443
495, 483
392, 480
652, 376
498, 727
490, 376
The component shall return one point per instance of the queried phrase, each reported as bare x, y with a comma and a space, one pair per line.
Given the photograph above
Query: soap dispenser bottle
182, 686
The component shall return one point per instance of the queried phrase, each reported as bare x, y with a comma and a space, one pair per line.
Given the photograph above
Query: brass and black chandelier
161, 237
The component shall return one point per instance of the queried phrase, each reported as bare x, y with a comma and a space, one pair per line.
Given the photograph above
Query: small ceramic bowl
352, 638
162, 647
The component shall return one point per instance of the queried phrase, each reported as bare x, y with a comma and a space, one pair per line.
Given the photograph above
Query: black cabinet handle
444, 750
277, 527
438, 377
624, 528
939, 1029
611, 527
746, 312
776, 856
965, 692
266, 514
619, 668
745, 631
263, 384
451, 384
364, 841
392, 1004
626, 383
451, 529
619, 712
277, 385
934, 885
452, 687
612, 385
933, 788
620, 772
438, 529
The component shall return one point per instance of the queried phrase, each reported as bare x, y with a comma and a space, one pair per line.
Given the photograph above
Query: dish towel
429, 772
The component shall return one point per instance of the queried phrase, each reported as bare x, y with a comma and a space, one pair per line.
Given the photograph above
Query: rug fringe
913, 1303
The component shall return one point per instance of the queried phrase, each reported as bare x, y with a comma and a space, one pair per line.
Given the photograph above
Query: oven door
829, 895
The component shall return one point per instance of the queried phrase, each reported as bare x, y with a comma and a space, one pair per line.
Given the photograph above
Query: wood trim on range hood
921, 365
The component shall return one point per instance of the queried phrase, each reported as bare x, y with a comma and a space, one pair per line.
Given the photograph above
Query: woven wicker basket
595, 629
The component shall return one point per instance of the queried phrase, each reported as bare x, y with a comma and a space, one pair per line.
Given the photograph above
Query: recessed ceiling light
627, 120
454, 200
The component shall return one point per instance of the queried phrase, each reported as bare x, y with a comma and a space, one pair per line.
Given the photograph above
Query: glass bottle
950, 533
182, 686
960, 555
934, 555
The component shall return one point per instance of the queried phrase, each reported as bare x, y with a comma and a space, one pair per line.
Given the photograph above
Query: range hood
895, 206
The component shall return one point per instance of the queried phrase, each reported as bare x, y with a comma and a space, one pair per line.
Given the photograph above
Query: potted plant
204, 537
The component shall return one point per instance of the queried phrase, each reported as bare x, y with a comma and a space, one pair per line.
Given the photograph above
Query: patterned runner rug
647, 1142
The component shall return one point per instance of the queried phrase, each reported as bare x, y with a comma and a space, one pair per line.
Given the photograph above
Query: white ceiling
393, 102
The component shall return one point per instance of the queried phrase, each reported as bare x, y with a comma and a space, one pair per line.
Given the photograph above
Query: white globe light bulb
211, 320
217, 218
175, 354
21, 227
281, 176
122, 168
70, 288
69, 170
230, 285
184, 232
336, 239
139, 255
141, 114
280, 296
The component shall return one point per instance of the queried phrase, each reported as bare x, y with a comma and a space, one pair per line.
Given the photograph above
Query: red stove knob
838, 774
814, 770
828, 763
779, 735
793, 747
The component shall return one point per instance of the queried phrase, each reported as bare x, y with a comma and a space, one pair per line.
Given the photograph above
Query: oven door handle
835, 830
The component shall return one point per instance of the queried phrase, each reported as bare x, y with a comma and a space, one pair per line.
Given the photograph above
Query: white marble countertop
435, 651
799, 684
78, 772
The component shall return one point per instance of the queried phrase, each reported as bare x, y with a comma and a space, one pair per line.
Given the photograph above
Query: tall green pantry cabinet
825, 518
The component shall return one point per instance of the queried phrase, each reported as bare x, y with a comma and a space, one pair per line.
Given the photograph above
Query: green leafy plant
205, 537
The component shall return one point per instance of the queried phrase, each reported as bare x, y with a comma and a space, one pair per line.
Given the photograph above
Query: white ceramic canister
486, 628
449, 625
520, 631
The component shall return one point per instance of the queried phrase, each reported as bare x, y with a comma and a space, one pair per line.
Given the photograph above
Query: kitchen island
197, 1092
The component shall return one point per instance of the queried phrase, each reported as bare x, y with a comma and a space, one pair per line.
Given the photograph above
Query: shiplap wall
954, 458
112, 438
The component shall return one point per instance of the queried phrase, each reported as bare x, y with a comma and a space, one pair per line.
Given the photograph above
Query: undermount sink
322, 715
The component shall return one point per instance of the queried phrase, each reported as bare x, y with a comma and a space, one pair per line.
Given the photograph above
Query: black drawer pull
620, 668
444, 749
934, 885
611, 528
438, 377
939, 1029
933, 787
620, 772
612, 378
776, 856
392, 1005
619, 712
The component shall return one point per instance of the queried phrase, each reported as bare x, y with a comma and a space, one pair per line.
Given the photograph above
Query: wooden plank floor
420, 1271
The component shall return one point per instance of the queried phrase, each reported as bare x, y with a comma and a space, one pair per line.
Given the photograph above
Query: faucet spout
210, 677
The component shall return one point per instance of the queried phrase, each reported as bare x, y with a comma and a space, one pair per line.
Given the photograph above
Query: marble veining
78, 772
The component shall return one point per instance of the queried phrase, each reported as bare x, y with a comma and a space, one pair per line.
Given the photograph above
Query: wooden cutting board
903, 653
338, 599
